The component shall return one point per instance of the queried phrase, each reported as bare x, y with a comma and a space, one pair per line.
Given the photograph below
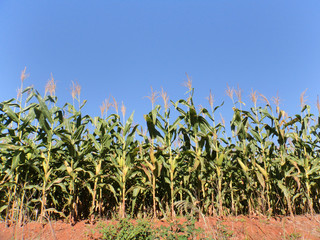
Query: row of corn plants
57, 163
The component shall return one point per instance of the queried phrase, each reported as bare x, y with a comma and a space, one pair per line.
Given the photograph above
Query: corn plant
99, 164
123, 161
17, 148
57, 162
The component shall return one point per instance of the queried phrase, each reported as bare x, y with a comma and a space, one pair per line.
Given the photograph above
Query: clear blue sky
121, 48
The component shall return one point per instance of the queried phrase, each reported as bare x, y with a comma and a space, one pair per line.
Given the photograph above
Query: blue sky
121, 48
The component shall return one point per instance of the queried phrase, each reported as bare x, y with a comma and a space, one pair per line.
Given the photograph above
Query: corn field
57, 163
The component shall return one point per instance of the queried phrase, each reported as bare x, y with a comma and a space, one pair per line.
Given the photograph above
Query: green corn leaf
244, 167
220, 159
11, 114
261, 179
263, 171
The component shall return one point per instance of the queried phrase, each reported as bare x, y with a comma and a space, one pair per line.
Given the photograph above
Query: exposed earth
240, 227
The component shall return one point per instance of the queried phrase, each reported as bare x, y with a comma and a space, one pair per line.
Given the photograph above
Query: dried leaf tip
318, 104
265, 99
115, 105
276, 101
188, 83
106, 104
229, 92
303, 98
238, 93
254, 97
75, 90
123, 110
102, 108
165, 99
51, 86
19, 93
211, 99
153, 97
24, 75
222, 120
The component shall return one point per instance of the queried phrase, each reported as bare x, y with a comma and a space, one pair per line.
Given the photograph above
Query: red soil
240, 227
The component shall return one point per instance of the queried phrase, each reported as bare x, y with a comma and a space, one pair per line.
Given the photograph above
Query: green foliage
179, 231
294, 236
144, 229
57, 162
124, 229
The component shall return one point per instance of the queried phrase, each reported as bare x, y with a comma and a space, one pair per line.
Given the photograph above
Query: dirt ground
240, 227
